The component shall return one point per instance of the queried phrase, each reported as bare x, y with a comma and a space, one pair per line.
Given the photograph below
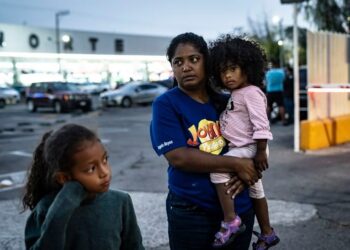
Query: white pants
256, 191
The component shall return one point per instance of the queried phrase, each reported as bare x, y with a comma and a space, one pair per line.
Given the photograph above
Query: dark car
168, 83
61, 96
303, 92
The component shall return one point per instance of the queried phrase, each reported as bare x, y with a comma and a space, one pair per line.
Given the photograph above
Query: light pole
57, 29
296, 72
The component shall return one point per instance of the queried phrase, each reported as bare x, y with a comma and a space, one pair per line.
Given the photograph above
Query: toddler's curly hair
240, 51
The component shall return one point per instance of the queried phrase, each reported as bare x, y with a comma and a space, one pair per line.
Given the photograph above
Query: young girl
67, 191
239, 65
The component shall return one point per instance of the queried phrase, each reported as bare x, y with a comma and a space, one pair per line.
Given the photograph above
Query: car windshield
128, 87
64, 86
4, 88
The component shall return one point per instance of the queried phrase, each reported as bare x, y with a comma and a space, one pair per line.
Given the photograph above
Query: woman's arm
194, 160
49, 231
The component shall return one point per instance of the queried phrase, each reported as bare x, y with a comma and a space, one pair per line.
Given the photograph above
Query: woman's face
189, 67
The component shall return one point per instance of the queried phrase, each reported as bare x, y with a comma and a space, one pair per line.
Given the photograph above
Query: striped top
245, 118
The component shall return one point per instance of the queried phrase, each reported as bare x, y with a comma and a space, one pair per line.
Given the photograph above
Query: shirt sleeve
256, 104
131, 234
48, 231
166, 130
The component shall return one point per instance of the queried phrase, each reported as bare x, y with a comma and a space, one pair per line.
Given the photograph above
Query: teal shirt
274, 80
69, 221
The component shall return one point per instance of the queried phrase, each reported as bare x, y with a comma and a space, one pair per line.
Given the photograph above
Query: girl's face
91, 167
189, 67
233, 77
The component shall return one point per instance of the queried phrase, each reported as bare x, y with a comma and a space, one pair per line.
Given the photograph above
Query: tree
266, 35
330, 15
302, 33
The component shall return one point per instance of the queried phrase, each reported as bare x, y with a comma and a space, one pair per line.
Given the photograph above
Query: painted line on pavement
20, 153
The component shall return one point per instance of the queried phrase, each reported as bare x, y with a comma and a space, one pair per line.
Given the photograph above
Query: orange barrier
324, 133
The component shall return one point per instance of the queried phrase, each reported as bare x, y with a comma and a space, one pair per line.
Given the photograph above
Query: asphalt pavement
308, 192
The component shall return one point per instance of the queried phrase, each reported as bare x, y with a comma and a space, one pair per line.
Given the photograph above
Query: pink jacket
245, 118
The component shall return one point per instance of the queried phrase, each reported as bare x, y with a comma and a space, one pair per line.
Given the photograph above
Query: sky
168, 18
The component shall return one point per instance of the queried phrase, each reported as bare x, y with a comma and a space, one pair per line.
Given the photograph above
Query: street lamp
57, 29
296, 73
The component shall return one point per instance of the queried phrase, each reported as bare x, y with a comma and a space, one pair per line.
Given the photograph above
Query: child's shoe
265, 241
232, 229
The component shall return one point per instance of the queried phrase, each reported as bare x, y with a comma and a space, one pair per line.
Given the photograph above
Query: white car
132, 93
9, 96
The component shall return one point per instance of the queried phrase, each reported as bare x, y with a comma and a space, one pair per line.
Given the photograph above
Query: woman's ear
62, 177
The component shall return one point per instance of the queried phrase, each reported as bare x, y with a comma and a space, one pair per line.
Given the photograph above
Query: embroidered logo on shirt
164, 144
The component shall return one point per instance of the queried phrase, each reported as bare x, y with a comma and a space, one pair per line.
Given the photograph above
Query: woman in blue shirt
184, 120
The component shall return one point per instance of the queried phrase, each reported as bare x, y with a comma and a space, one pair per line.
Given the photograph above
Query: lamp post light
57, 29
296, 72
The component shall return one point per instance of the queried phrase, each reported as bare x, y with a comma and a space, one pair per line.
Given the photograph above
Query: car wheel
87, 109
126, 102
57, 107
2, 103
31, 106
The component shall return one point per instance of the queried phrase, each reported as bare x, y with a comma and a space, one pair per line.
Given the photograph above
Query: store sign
119, 45
33, 41
36, 41
291, 1
93, 41
68, 45
2, 39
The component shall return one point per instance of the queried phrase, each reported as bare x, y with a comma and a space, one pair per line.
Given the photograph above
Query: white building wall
16, 39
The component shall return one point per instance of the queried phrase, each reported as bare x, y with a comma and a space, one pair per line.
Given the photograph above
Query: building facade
30, 54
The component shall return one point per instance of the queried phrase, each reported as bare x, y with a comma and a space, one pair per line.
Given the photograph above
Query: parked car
61, 96
93, 88
2, 100
102, 87
168, 83
303, 92
9, 96
86, 87
134, 92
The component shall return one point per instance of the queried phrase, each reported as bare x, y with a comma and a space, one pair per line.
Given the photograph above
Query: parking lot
307, 192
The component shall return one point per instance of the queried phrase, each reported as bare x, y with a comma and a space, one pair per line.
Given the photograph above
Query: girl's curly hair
240, 51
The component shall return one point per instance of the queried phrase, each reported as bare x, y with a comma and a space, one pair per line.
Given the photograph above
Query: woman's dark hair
189, 38
241, 51
201, 45
54, 153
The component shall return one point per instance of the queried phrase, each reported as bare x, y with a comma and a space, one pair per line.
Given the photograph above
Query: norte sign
291, 1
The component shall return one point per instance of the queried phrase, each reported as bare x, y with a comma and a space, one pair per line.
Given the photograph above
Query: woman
184, 120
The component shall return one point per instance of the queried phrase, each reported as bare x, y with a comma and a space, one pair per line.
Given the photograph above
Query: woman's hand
234, 186
247, 172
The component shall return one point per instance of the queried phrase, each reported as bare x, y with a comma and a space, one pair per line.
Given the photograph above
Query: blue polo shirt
274, 80
179, 121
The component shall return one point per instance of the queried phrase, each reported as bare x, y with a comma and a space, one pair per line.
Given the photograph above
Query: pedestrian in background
68, 193
274, 91
238, 65
185, 129
288, 94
